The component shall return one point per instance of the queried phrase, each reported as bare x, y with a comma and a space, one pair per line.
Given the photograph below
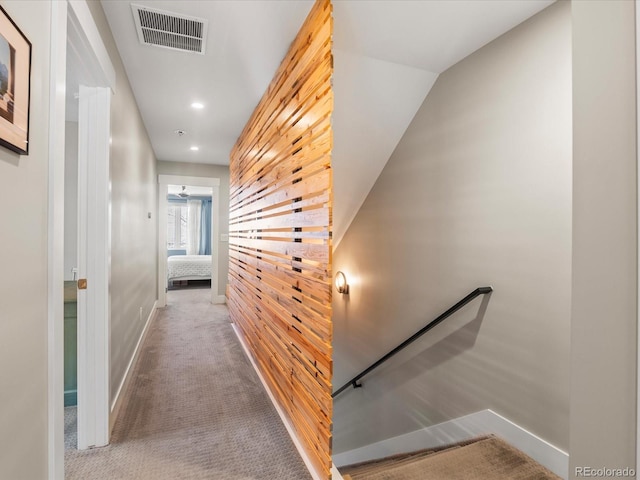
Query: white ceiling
428, 34
388, 54
374, 103
246, 42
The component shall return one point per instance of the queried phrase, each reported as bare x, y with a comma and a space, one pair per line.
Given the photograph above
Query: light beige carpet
486, 459
70, 428
195, 410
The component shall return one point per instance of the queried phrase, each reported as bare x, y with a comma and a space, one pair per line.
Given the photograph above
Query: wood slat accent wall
280, 235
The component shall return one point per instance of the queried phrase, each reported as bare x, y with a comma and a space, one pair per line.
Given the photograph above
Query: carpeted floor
195, 409
70, 428
487, 459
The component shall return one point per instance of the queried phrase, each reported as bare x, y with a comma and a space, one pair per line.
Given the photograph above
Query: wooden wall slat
309, 270
314, 327
287, 192
308, 217
287, 164
280, 225
311, 286
302, 120
296, 303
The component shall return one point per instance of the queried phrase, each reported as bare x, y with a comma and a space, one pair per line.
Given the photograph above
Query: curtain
194, 215
205, 228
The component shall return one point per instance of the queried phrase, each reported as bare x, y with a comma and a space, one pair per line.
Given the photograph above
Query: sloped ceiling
388, 54
374, 103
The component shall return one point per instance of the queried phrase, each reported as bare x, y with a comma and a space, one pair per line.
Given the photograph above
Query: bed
188, 267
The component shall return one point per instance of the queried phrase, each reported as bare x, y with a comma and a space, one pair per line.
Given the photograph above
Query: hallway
195, 408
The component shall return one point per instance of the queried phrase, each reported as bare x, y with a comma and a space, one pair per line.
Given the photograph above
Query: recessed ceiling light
197, 105
195, 149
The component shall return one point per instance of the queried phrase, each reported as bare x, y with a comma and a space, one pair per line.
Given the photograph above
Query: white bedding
189, 267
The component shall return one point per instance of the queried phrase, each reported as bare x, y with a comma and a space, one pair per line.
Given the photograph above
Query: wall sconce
341, 283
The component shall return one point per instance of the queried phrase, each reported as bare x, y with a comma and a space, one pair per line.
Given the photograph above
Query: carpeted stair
487, 458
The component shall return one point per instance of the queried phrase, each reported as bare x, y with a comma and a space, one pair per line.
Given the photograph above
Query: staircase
486, 458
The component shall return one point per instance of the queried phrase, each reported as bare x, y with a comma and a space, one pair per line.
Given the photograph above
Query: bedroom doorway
188, 234
188, 237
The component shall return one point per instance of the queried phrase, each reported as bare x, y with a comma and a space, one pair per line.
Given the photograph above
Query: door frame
55, 243
71, 21
637, 5
163, 190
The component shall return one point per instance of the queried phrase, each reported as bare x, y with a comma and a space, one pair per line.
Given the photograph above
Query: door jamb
55, 243
637, 5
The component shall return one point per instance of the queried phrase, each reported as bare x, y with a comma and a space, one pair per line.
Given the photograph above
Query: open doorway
87, 242
188, 247
188, 231
82, 83
71, 275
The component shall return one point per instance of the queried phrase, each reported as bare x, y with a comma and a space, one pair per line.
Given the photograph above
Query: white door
93, 266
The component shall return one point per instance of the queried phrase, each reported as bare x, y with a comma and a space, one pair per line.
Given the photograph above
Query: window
177, 227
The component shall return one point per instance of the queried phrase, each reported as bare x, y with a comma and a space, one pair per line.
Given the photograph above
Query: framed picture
15, 77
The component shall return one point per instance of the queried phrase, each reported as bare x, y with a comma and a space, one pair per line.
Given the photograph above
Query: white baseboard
117, 401
305, 458
335, 474
220, 299
460, 429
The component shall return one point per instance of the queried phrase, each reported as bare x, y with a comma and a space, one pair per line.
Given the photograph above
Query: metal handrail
354, 381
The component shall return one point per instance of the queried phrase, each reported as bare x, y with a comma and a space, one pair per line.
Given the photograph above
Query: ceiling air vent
170, 30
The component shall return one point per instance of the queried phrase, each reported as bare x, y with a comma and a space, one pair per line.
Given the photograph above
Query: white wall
70, 199
213, 171
478, 192
604, 325
23, 267
23, 250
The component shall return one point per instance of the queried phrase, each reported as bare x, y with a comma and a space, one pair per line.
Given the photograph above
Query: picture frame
15, 86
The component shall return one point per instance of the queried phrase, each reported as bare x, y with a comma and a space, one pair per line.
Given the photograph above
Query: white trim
305, 458
94, 264
126, 379
637, 5
164, 181
335, 474
460, 429
95, 43
55, 242
163, 191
